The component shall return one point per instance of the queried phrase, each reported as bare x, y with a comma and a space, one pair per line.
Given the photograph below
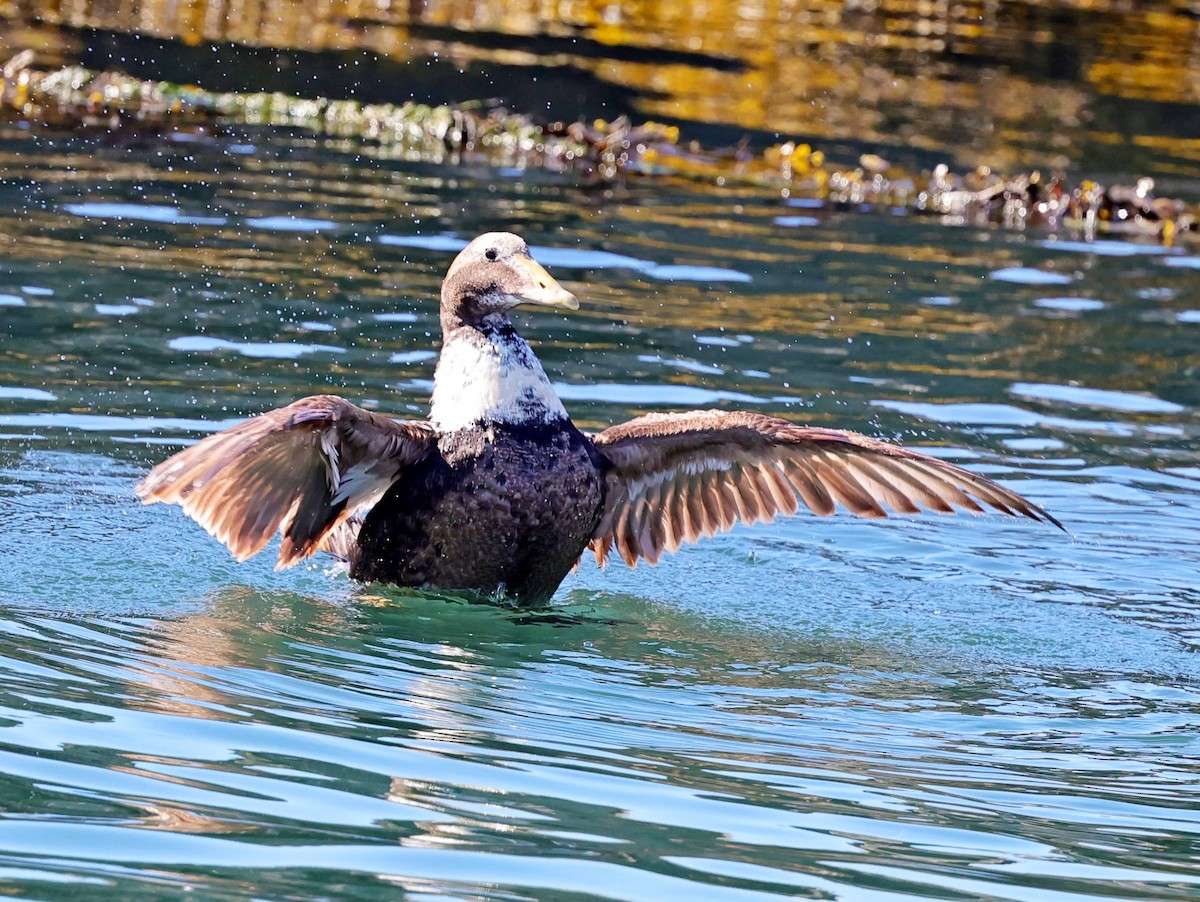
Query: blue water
920, 708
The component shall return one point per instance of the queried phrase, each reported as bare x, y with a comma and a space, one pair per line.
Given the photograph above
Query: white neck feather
490, 379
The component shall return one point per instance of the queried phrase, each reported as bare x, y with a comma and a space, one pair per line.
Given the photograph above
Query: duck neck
486, 375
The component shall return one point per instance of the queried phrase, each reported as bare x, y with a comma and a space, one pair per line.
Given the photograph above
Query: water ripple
1071, 305
1095, 397
921, 707
1024, 275
290, 224
582, 258
976, 414
282, 350
147, 212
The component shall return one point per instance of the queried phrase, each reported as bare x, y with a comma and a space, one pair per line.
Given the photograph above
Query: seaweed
115, 106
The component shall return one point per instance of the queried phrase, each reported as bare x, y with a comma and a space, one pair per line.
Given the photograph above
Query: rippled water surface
926, 708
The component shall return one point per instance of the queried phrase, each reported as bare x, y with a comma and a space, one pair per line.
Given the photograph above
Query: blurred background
1097, 84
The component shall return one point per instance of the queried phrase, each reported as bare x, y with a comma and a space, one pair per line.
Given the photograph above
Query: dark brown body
501, 509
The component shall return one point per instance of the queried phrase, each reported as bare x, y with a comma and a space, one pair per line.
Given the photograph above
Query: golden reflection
819, 68
843, 289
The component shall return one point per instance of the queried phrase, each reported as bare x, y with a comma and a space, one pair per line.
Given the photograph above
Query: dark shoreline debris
115, 106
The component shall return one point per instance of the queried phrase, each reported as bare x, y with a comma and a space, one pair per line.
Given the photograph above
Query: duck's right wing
674, 477
303, 469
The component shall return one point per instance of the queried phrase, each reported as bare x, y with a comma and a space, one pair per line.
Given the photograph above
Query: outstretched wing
676, 477
303, 469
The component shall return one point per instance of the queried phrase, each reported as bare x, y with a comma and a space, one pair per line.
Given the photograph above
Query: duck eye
491, 253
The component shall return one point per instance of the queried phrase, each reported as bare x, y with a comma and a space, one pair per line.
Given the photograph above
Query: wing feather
743, 495
302, 470
781, 489
672, 478
812, 490
729, 500
623, 537
690, 507
762, 494
697, 515
605, 549
922, 493
713, 504
648, 537
847, 489
891, 494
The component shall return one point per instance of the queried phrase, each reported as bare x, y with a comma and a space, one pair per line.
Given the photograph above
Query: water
1011, 84
925, 708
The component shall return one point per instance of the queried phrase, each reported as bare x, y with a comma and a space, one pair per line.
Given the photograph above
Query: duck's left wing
303, 469
676, 477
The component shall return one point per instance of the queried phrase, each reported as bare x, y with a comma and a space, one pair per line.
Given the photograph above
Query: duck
498, 494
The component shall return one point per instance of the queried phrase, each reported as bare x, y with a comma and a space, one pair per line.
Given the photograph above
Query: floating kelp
76, 98
116, 105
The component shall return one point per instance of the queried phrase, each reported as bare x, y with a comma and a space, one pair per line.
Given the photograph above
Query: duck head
492, 275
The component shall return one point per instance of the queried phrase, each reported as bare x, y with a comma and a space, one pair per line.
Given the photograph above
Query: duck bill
543, 289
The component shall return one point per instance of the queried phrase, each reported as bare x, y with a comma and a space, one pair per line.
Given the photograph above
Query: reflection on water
924, 708
281, 742
1007, 83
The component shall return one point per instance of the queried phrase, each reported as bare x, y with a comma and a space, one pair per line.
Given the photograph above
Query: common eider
499, 493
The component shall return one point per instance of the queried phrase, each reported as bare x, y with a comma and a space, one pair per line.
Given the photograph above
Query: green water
926, 708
